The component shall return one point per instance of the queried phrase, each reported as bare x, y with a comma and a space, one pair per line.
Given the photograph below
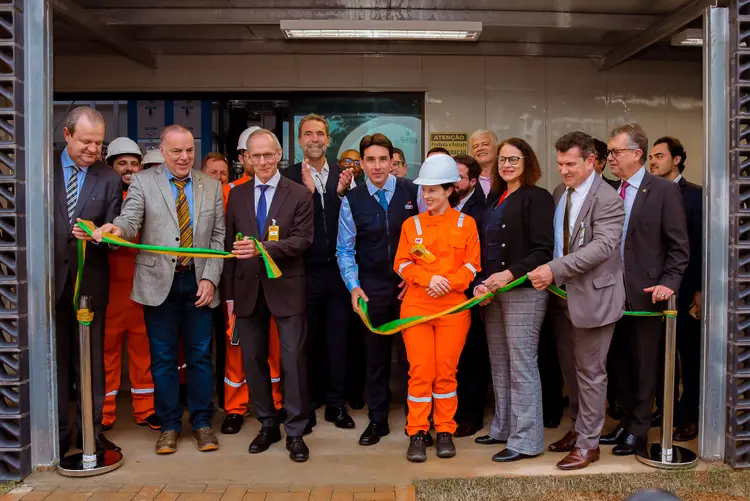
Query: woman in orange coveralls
438, 257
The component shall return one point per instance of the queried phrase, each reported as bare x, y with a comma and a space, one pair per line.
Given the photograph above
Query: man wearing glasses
350, 159
399, 167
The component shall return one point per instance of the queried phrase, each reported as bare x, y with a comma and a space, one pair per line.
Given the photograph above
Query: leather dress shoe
232, 424
614, 437
357, 403
312, 422
579, 459
373, 433
488, 440
629, 446
506, 456
445, 446
339, 417
565, 444
417, 451
656, 418
551, 423
102, 443
266, 437
686, 433
466, 430
298, 451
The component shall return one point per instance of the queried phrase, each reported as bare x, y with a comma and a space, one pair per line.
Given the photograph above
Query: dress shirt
630, 193
345, 253
486, 183
67, 165
462, 202
576, 203
188, 190
677, 179
270, 191
320, 179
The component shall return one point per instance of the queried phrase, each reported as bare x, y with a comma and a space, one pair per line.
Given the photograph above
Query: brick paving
210, 492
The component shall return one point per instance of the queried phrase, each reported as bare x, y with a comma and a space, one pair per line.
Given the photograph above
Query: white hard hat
438, 169
242, 143
123, 146
153, 157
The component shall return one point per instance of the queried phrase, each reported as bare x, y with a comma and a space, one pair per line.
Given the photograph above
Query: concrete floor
335, 458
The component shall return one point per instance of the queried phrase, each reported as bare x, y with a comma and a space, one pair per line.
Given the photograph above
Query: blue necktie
380, 194
262, 211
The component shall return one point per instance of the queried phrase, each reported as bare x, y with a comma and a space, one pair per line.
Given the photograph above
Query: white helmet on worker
123, 146
152, 157
437, 170
242, 142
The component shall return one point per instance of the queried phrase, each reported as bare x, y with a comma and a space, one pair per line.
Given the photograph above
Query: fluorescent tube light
458, 31
688, 38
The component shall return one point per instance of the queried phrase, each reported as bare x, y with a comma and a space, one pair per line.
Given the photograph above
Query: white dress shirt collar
273, 182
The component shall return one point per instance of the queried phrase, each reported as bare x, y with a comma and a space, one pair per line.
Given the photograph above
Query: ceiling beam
523, 19
80, 18
666, 27
251, 47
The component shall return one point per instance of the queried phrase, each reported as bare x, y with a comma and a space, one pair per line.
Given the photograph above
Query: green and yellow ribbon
85, 316
395, 326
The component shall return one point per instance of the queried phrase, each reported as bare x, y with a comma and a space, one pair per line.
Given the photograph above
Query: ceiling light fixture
692, 37
457, 31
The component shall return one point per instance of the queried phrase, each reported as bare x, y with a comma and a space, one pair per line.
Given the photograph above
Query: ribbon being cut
273, 271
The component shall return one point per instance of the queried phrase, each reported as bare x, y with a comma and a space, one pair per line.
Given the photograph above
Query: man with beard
484, 150
327, 298
350, 159
124, 318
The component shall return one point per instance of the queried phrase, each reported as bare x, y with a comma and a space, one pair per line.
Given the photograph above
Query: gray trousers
513, 321
583, 361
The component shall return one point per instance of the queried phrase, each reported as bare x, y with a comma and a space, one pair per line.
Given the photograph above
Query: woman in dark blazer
517, 235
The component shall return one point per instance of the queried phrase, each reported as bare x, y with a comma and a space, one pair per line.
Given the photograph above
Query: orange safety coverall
236, 394
434, 348
124, 318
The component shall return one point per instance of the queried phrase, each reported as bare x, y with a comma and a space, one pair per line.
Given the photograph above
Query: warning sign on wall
455, 142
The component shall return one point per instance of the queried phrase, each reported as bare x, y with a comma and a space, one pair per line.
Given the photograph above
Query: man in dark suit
328, 311
655, 252
271, 202
474, 365
85, 188
667, 160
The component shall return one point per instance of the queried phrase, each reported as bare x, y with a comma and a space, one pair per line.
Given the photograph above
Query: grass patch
719, 484
6, 487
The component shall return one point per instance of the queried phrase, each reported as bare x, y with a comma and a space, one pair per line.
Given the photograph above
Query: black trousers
253, 334
637, 339
384, 306
328, 316
220, 350
473, 374
549, 370
69, 363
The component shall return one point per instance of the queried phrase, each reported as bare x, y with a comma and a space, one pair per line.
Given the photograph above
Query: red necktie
624, 189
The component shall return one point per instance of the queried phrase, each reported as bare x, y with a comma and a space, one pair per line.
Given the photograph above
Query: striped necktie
71, 192
183, 219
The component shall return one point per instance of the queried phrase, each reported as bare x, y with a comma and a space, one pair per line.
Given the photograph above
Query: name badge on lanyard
273, 232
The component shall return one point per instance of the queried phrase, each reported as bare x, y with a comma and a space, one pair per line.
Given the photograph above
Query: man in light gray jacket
173, 205
588, 227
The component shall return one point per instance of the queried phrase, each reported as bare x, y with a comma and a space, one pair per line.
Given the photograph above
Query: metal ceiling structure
607, 32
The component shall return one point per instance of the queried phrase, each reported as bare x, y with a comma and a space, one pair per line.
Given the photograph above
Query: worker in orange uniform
236, 394
438, 257
124, 318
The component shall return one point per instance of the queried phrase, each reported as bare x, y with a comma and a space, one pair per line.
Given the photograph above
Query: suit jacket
657, 249
692, 199
150, 209
292, 208
592, 270
476, 205
99, 201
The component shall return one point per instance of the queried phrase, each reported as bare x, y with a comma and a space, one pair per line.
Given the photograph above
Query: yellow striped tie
183, 219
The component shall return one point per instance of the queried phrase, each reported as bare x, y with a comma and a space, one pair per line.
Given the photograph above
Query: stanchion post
665, 454
90, 462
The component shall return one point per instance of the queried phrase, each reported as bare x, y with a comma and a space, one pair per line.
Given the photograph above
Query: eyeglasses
268, 157
349, 161
616, 152
397, 163
513, 161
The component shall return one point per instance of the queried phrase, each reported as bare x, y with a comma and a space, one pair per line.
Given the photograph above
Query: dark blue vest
377, 232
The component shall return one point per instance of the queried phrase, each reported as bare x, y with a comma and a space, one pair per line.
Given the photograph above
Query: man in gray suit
173, 205
588, 228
